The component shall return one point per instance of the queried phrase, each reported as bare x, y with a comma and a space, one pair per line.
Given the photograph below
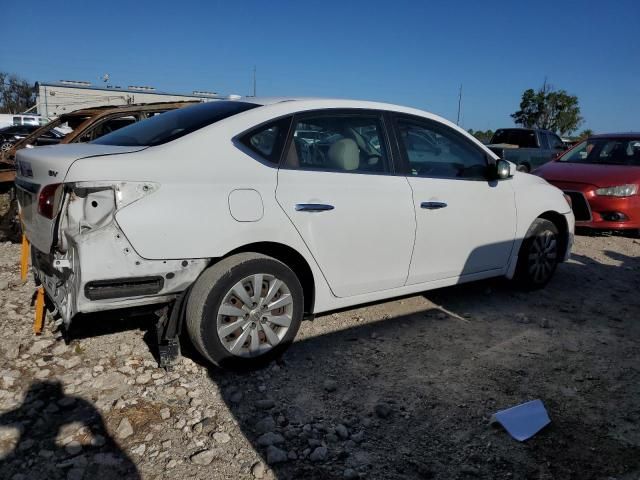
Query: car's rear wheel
539, 255
245, 310
523, 167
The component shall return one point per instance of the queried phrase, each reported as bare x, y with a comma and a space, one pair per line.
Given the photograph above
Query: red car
602, 177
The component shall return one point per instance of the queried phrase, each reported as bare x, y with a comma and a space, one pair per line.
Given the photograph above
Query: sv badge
53, 173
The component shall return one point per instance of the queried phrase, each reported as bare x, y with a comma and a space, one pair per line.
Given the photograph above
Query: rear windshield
174, 124
521, 138
608, 151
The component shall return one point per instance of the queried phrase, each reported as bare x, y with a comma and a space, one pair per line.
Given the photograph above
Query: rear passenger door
339, 187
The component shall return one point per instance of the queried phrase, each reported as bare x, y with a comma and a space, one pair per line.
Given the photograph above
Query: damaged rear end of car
80, 254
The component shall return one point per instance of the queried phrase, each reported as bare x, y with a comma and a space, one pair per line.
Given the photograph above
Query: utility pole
459, 104
254, 80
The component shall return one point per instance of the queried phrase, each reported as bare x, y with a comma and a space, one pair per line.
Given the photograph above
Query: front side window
17, 120
340, 143
437, 151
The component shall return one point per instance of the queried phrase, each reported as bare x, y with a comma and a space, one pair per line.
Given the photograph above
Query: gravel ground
397, 390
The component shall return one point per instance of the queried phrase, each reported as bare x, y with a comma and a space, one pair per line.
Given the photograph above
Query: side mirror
501, 170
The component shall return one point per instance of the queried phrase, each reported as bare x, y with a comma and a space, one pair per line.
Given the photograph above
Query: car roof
617, 135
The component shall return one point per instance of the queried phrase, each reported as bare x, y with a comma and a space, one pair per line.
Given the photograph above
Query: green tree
549, 109
16, 94
585, 133
484, 137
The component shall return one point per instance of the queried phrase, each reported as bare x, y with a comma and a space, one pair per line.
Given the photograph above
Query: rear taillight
48, 200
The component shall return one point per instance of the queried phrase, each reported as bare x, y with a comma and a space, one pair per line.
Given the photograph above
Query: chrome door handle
432, 205
313, 207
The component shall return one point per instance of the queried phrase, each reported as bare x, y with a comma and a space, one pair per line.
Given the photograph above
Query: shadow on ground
411, 396
40, 423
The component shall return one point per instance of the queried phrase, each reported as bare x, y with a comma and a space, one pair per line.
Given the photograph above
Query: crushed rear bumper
101, 271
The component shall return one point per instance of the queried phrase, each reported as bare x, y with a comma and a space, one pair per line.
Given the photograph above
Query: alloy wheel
543, 256
255, 315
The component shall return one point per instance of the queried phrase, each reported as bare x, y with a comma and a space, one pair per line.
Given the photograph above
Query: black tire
539, 255
523, 167
208, 293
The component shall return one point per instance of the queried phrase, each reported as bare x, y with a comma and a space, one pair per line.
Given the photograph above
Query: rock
73, 448
12, 350
382, 410
165, 413
124, 429
265, 404
143, 378
319, 454
342, 432
110, 381
171, 464
276, 455
42, 374
330, 385
470, 470
39, 346
358, 437
544, 323
72, 362
139, 450
75, 474
205, 457
350, 473
522, 318
236, 397
221, 437
258, 470
358, 459
66, 402
292, 455
98, 441
265, 425
270, 438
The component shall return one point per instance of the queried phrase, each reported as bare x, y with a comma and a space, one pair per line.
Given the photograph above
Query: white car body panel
356, 252
210, 196
474, 233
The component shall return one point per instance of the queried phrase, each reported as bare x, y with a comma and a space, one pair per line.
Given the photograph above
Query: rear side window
174, 124
339, 143
268, 140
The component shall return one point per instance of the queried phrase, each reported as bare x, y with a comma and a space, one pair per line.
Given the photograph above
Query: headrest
344, 155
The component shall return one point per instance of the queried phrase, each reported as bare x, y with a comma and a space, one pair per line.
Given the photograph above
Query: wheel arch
290, 257
560, 222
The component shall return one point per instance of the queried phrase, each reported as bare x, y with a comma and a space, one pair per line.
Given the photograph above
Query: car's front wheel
539, 255
245, 310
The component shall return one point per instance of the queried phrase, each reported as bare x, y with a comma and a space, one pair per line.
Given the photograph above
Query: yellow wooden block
38, 322
24, 258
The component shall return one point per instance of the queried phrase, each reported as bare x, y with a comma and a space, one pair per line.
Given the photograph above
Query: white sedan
254, 214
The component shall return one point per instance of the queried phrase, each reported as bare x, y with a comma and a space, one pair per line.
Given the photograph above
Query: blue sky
413, 53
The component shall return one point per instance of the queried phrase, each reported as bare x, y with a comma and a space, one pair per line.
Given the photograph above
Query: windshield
608, 151
516, 136
174, 124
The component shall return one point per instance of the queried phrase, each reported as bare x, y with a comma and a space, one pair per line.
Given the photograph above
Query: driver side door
465, 223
